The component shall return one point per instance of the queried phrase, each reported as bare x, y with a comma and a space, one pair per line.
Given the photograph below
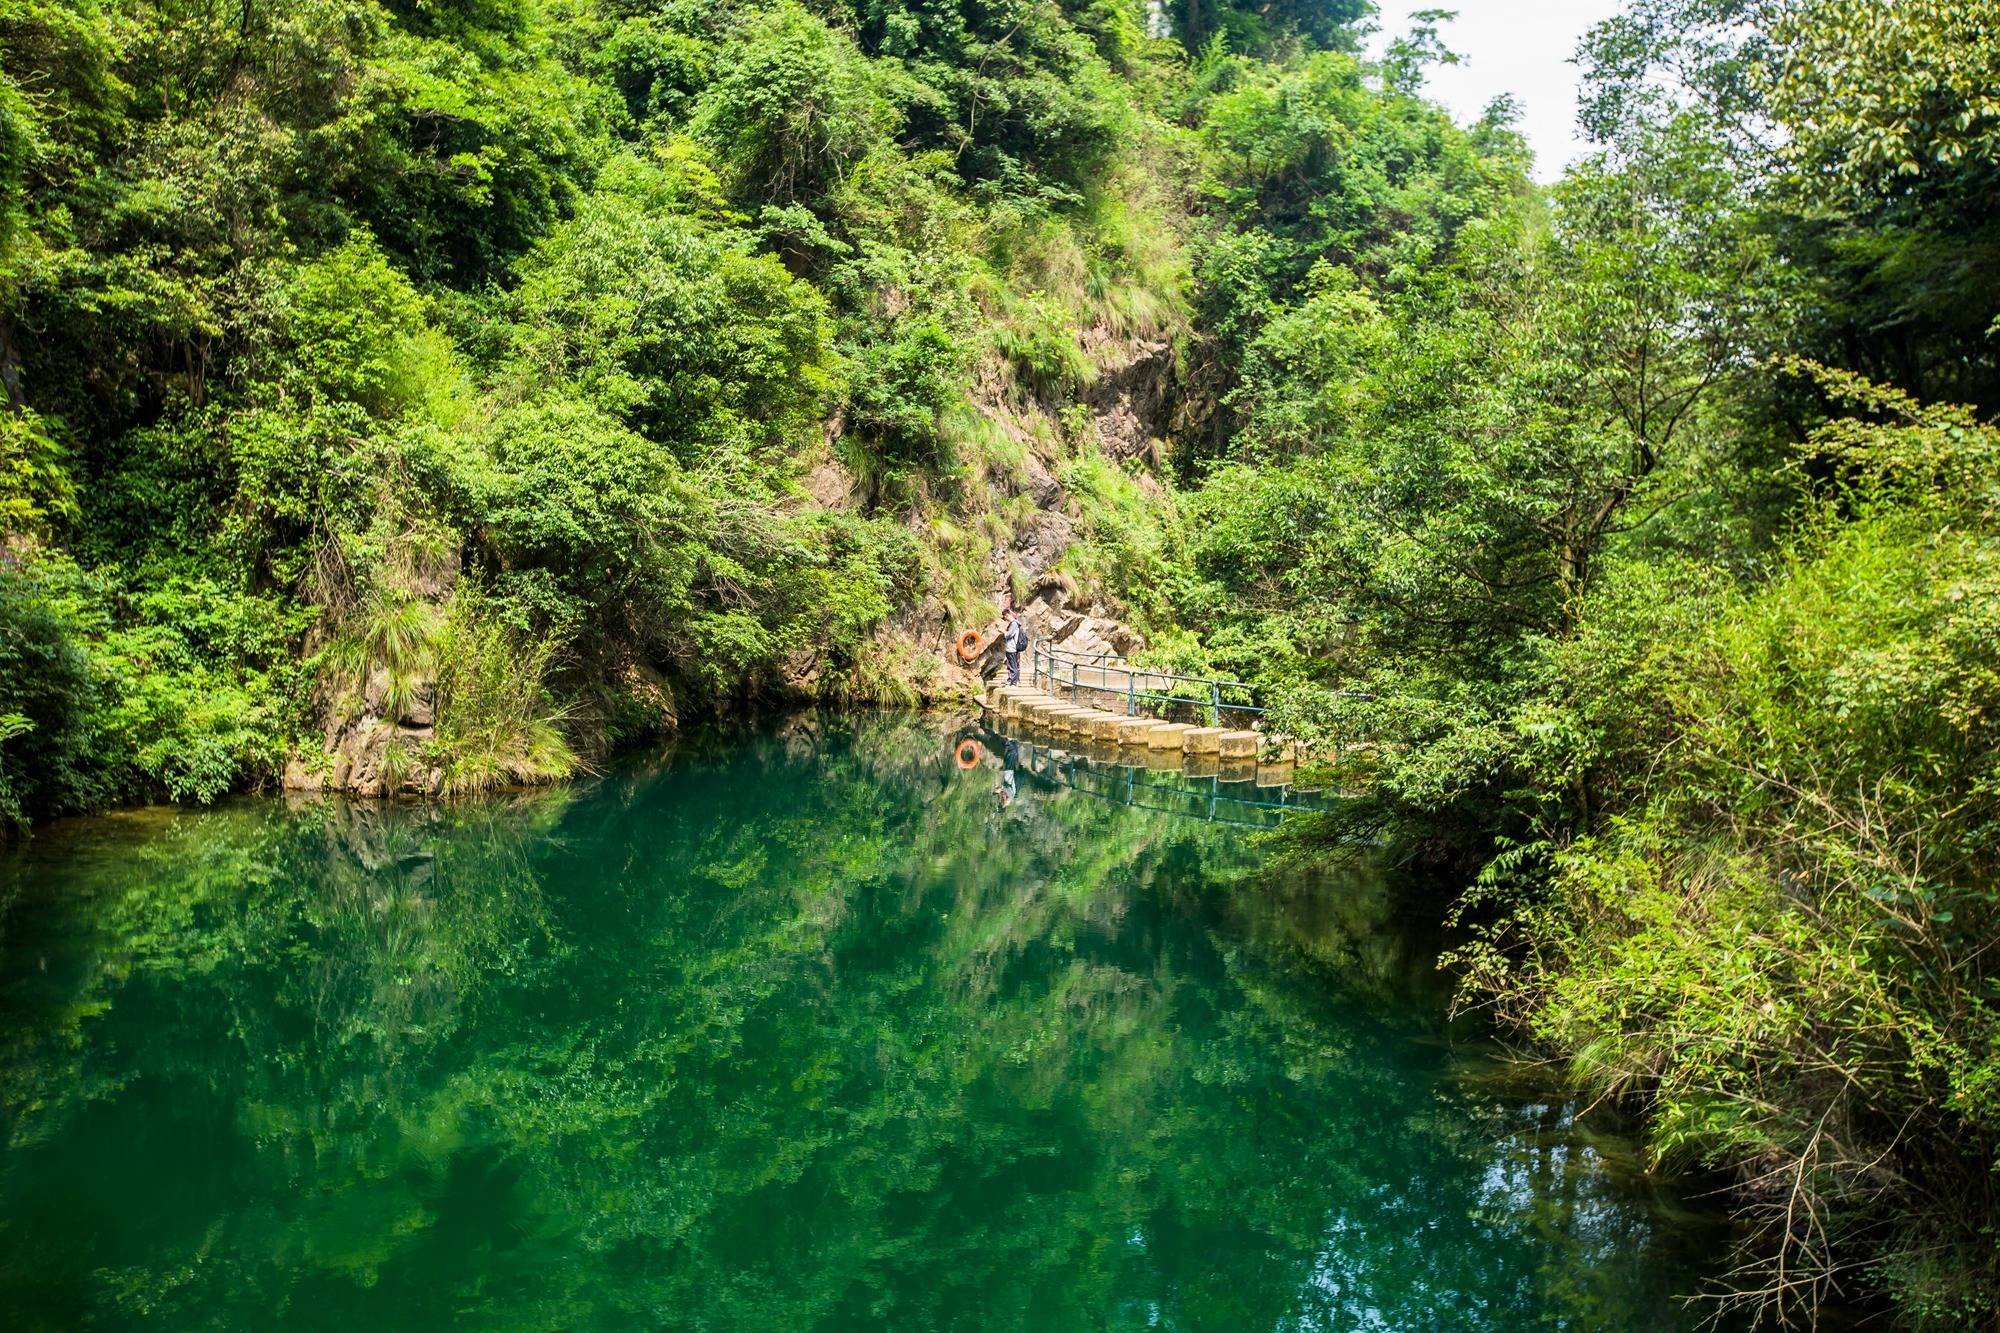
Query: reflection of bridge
1244, 797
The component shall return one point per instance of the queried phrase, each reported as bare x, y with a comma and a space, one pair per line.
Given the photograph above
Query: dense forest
424, 395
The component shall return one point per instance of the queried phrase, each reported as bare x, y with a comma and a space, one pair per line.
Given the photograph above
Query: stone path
1021, 709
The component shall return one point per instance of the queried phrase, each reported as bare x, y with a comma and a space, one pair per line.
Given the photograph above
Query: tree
1657, 285
1867, 135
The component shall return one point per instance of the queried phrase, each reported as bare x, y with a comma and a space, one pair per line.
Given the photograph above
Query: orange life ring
969, 644
969, 752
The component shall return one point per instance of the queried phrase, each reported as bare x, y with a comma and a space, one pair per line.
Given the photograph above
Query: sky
1521, 47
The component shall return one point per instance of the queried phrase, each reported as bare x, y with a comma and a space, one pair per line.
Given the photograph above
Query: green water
804, 1030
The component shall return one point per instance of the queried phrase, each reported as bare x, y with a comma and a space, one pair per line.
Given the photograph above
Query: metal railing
1055, 669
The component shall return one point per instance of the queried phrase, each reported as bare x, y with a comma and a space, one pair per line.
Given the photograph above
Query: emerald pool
804, 1028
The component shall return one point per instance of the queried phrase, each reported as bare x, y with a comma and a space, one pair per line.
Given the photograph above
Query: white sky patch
1506, 46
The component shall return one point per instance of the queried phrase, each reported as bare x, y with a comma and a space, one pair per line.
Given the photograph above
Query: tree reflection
801, 1031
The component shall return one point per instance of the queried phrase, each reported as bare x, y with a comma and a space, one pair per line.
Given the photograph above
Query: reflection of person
1008, 785
1013, 640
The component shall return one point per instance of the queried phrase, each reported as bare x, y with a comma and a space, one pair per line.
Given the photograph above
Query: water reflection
814, 1029
1239, 792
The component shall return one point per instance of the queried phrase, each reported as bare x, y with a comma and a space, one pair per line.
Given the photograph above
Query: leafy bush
35, 485
655, 66
496, 723
49, 697
204, 690
900, 390
677, 327
794, 105
347, 320
567, 489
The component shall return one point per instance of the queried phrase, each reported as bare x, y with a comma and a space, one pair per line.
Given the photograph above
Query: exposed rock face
1092, 633
1128, 400
646, 693
368, 755
1052, 620
1128, 403
377, 743
1041, 542
830, 485
1042, 485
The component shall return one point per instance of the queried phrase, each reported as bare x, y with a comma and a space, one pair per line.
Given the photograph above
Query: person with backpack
1014, 642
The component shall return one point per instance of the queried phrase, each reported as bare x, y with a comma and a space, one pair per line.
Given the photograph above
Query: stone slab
1085, 724
1202, 740
1132, 731
1070, 720
1237, 744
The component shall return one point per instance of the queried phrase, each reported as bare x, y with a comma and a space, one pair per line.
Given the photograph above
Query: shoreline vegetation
424, 398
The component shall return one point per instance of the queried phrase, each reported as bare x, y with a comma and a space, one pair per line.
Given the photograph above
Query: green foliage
483, 362
1782, 941
794, 106
346, 322
496, 724
900, 391
1883, 94
1693, 684
1018, 96
1309, 373
1872, 129
187, 690
1309, 168
572, 296
1257, 27
48, 693
203, 691
35, 486
675, 326
392, 633
1132, 535
568, 491
657, 67
1039, 341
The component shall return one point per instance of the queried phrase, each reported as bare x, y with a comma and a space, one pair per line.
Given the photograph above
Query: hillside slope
424, 397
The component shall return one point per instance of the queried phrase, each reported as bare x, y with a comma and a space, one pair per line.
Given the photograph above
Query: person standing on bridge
1014, 642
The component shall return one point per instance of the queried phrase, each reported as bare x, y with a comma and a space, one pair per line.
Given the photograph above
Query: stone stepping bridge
1023, 710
